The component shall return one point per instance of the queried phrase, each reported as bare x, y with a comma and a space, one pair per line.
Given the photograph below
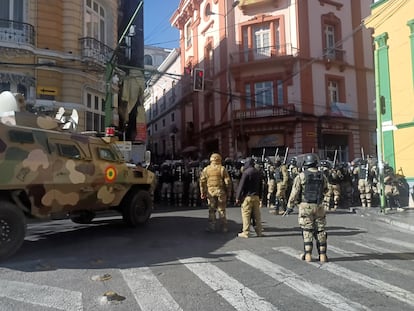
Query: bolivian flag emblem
110, 174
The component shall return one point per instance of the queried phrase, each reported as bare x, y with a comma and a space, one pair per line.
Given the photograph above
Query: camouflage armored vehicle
49, 174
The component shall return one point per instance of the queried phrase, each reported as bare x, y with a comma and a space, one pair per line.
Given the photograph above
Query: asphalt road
173, 264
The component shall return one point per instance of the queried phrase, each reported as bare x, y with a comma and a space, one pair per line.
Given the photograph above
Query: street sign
47, 90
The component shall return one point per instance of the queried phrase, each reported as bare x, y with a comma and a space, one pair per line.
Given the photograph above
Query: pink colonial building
278, 74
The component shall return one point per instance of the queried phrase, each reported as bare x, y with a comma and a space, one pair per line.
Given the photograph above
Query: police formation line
313, 186
350, 183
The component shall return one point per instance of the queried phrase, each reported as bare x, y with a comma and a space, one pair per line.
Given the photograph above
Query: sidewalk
403, 220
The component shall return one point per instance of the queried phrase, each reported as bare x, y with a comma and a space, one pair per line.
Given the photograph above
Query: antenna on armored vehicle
68, 122
73, 121
60, 115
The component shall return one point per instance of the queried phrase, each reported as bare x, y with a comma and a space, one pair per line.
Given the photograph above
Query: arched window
148, 60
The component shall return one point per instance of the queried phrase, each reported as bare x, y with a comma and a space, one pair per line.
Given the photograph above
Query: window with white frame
263, 93
95, 113
280, 95
188, 35
95, 20
333, 91
262, 40
11, 10
330, 41
248, 97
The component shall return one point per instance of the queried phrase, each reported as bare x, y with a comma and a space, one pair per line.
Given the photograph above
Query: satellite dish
8, 102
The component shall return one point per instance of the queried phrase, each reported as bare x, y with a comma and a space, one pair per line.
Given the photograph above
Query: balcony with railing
271, 111
16, 32
336, 57
263, 53
95, 50
334, 54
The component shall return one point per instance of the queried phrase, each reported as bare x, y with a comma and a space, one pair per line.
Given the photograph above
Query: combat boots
322, 253
307, 256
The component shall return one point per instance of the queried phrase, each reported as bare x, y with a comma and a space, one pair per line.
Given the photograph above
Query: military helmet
326, 163
228, 161
310, 160
215, 158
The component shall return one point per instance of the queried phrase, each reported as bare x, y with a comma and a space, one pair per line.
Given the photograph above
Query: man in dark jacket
250, 190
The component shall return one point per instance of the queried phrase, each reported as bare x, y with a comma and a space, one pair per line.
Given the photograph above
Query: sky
157, 28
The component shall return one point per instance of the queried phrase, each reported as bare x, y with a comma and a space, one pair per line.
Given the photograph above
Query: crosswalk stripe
382, 250
397, 242
323, 296
41, 295
235, 293
379, 286
148, 291
375, 262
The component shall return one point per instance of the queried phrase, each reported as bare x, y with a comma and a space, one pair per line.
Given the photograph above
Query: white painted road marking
149, 293
323, 296
235, 293
376, 262
396, 242
375, 285
45, 296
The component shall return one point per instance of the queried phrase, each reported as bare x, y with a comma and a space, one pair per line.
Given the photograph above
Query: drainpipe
379, 134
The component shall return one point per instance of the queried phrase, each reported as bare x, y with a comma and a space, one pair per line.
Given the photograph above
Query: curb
396, 223
388, 219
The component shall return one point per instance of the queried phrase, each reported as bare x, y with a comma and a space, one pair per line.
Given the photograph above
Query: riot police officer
282, 178
364, 182
308, 189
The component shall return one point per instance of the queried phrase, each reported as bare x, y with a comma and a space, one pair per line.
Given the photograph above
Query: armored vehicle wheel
12, 229
84, 217
137, 208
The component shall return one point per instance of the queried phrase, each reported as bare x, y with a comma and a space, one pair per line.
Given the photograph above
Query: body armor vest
334, 177
363, 172
215, 176
278, 174
313, 187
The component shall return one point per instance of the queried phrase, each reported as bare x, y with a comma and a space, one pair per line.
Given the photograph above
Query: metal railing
95, 50
271, 111
16, 32
260, 53
334, 54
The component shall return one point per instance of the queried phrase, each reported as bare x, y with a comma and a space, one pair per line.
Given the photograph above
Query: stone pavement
401, 219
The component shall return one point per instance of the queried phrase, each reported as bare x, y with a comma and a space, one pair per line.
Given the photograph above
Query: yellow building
55, 53
392, 22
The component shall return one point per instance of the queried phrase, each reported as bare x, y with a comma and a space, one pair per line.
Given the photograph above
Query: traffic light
198, 79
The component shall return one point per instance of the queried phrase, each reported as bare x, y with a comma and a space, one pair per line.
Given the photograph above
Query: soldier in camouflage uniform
269, 170
335, 177
229, 165
364, 182
391, 191
308, 189
166, 181
282, 179
193, 188
215, 185
178, 183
